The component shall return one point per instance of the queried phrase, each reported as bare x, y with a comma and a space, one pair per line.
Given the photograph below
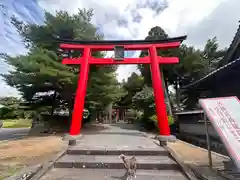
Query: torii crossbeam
87, 47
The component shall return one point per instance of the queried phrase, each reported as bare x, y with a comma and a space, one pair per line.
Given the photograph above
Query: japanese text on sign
224, 114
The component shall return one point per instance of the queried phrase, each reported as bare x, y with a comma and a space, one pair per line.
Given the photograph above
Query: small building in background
225, 80
222, 82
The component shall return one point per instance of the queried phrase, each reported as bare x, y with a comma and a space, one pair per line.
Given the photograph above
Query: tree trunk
166, 95
110, 113
94, 115
147, 75
70, 109
170, 101
177, 94
105, 115
53, 103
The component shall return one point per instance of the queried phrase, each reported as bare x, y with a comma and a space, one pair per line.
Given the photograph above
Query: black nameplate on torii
119, 53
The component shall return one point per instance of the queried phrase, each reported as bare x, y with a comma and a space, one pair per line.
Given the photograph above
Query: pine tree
39, 75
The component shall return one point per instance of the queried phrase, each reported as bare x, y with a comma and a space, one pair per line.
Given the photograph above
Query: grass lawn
17, 123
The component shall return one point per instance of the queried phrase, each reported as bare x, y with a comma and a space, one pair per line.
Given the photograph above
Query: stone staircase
91, 157
98, 159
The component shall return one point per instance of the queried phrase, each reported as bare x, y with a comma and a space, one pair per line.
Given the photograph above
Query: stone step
133, 151
114, 162
110, 174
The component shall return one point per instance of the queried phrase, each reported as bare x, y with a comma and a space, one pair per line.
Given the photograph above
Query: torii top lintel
109, 45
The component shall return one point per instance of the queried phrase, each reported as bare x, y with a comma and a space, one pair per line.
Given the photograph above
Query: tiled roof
226, 62
216, 72
232, 49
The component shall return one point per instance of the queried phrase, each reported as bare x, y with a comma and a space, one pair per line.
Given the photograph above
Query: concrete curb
25, 173
207, 174
185, 169
48, 165
67, 137
153, 136
170, 138
198, 174
192, 171
72, 140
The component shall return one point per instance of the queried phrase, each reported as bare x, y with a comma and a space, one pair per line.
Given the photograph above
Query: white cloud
180, 18
222, 23
7, 90
132, 19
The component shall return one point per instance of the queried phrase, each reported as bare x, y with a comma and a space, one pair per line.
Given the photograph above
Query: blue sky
126, 19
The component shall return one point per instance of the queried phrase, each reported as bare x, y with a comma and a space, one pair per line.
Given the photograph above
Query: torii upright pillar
120, 46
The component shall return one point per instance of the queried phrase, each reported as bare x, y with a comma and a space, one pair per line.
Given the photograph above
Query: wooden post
208, 141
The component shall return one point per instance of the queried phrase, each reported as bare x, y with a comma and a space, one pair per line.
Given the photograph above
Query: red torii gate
119, 46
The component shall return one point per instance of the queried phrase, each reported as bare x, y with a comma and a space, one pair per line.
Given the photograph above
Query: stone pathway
95, 157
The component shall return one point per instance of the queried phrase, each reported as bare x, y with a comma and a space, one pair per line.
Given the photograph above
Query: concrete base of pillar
164, 139
72, 140
230, 165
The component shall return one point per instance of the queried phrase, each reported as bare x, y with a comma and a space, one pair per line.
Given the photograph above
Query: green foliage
154, 119
85, 113
203, 62
131, 113
133, 85
62, 24
11, 108
170, 119
144, 101
193, 65
103, 88
154, 34
46, 84
18, 123
212, 55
